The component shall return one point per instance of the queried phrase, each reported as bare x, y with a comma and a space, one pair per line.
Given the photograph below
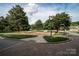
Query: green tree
60, 20
38, 25
33, 27
17, 19
3, 24
47, 25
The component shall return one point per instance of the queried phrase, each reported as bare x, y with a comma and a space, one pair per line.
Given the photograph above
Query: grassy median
17, 36
55, 39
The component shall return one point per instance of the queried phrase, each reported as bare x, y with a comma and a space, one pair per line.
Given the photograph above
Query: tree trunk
57, 30
51, 33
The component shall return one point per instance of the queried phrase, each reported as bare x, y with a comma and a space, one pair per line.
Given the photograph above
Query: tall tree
47, 25
18, 19
61, 19
3, 24
39, 25
58, 21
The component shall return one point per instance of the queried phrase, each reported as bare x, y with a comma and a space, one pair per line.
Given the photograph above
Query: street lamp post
50, 18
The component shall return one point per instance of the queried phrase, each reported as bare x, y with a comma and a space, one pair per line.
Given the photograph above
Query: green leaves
48, 24
75, 23
16, 20
57, 21
38, 25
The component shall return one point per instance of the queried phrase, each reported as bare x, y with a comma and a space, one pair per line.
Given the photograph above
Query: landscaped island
16, 36
55, 39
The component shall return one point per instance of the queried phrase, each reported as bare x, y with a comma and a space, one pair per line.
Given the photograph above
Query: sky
41, 11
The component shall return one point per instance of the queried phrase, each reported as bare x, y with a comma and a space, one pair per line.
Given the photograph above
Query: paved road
71, 33
4, 43
32, 48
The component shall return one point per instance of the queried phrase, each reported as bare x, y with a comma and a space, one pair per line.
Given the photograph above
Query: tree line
16, 20
75, 23
58, 21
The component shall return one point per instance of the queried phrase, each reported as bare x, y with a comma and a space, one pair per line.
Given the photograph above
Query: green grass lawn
55, 39
16, 36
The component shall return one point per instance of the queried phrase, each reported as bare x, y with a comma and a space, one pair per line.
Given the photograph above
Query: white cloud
42, 12
31, 8
35, 12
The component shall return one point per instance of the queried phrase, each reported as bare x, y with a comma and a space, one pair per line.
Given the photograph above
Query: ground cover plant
17, 36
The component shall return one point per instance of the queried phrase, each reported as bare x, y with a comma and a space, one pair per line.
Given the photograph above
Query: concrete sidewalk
38, 39
71, 33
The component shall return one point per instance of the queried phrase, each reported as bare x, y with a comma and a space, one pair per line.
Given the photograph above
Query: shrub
14, 36
55, 39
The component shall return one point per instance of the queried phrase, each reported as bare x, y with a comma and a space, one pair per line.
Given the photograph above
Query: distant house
74, 28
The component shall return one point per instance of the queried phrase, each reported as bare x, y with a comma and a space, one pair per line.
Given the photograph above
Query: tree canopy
38, 25
59, 20
48, 24
16, 20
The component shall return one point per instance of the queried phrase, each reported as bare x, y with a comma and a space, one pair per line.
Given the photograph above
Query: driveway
38, 39
31, 48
